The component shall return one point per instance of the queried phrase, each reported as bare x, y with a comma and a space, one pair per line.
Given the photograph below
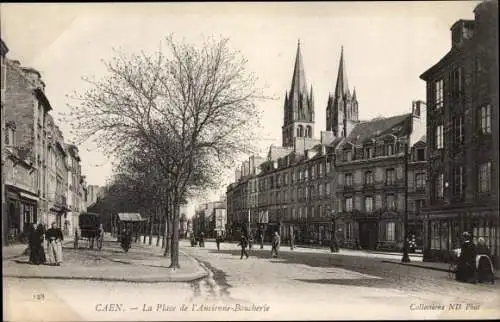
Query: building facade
462, 131
376, 176
3, 81
26, 109
73, 196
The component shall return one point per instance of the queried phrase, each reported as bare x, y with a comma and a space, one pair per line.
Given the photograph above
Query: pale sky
387, 45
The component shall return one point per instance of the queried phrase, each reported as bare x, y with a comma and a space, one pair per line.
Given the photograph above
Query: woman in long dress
54, 237
37, 254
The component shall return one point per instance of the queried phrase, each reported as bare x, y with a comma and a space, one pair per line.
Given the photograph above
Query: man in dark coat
243, 243
466, 267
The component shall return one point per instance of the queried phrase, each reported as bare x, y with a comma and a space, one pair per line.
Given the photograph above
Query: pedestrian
334, 247
243, 243
292, 240
217, 241
100, 237
202, 239
275, 245
466, 268
54, 245
261, 238
77, 238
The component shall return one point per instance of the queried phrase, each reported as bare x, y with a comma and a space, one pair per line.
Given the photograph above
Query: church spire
354, 94
342, 87
299, 85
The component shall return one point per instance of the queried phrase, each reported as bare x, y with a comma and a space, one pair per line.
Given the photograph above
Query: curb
202, 271
187, 278
426, 267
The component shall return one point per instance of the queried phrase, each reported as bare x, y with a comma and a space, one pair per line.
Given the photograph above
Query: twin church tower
341, 109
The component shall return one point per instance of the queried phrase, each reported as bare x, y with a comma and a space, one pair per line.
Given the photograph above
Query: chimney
461, 31
417, 108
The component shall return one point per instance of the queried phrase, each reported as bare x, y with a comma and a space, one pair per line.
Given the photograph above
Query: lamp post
406, 257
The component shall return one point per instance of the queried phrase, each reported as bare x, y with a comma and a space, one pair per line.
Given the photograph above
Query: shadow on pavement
327, 260
362, 282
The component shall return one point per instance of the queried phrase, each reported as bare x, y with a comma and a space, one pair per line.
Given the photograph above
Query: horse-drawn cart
89, 227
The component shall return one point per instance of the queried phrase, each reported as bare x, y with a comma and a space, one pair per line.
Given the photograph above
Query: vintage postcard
250, 161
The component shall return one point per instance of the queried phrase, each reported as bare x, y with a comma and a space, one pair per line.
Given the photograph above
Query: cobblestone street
332, 286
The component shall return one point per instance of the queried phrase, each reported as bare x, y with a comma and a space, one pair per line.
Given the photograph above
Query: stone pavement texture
142, 264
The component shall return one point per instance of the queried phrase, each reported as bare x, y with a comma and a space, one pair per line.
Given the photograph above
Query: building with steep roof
462, 133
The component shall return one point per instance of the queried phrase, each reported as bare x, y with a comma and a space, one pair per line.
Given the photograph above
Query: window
485, 119
348, 179
368, 152
389, 149
435, 235
348, 204
10, 136
456, 85
419, 204
390, 202
420, 181
320, 169
439, 186
420, 154
348, 231
321, 190
458, 181
390, 176
458, 130
313, 172
327, 186
390, 231
368, 204
438, 92
348, 155
368, 177
485, 177
439, 137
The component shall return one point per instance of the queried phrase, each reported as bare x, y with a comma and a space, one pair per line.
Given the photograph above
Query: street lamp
406, 257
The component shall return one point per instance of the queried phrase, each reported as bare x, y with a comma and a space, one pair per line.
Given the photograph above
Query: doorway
368, 235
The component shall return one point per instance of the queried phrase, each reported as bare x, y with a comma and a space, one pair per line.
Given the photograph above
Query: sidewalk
142, 264
437, 266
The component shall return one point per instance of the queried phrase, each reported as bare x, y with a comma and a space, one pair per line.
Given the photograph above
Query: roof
130, 216
276, 152
374, 128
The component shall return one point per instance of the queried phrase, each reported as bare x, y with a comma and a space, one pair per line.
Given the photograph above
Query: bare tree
190, 109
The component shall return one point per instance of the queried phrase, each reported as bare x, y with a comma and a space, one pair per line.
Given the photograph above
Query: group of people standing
474, 262
275, 245
53, 237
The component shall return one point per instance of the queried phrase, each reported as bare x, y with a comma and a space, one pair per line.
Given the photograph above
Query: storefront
443, 232
21, 212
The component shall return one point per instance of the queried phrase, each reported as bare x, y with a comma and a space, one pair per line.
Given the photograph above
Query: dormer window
368, 152
389, 149
348, 155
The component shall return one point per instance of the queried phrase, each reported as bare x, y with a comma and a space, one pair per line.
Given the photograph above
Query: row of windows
390, 178
311, 172
388, 150
458, 184
369, 206
458, 131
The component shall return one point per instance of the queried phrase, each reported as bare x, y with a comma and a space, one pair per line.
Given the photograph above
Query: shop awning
28, 196
130, 216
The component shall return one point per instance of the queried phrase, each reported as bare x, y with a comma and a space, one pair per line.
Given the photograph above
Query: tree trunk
174, 255
157, 219
163, 227
167, 228
151, 221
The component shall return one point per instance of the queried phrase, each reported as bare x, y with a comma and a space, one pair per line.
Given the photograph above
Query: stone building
3, 81
462, 132
25, 111
73, 188
370, 181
